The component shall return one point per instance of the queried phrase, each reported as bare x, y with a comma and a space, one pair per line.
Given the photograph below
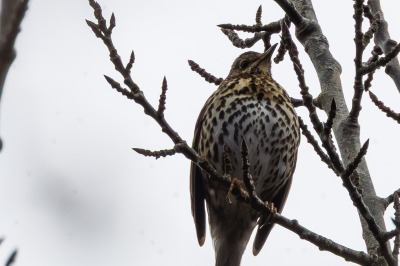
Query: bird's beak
265, 57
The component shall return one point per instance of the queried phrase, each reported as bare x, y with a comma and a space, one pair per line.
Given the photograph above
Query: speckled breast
260, 112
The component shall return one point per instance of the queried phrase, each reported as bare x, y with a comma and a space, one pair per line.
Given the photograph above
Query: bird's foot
267, 218
236, 183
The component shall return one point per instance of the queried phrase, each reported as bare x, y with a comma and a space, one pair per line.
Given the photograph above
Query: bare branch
396, 221
367, 13
383, 40
383, 61
258, 15
327, 142
240, 43
347, 131
115, 85
375, 56
329, 122
369, 34
351, 167
273, 27
247, 178
290, 11
131, 62
155, 154
390, 199
11, 259
227, 165
112, 23
163, 98
282, 47
307, 97
358, 40
310, 139
389, 112
203, 73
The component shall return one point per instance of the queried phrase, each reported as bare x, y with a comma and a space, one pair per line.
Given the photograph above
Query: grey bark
346, 130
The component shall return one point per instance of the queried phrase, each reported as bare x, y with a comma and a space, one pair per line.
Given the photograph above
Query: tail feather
261, 237
228, 253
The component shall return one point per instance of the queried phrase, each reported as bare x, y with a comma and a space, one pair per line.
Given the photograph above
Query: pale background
72, 192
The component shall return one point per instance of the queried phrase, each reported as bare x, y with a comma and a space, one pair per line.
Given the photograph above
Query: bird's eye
243, 64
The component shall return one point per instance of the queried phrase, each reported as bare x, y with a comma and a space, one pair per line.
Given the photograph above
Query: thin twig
375, 56
367, 13
204, 74
258, 15
131, 62
389, 199
389, 112
163, 98
155, 154
240, 43
383, 61
369, 34
329, 122
310, 139
247, 178
273, 27
326, 140
358, 40
11, 259
227, 165
396, 220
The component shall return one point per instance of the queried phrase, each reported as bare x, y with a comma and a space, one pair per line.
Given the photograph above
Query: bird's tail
228, 253
230, 241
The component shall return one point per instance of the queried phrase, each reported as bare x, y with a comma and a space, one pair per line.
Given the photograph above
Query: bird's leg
236, 183
266, 218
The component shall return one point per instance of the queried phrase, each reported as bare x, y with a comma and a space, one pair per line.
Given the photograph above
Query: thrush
250, 106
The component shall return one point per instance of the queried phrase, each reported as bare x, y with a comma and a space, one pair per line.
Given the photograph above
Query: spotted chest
260, 112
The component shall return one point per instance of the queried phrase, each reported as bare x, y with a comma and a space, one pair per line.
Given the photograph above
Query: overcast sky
72, 192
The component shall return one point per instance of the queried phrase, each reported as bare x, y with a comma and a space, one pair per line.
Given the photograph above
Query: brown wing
197, 186
263, 232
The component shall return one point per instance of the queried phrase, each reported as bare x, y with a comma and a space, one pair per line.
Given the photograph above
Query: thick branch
345, 130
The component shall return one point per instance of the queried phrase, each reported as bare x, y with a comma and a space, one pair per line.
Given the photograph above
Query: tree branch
383, 40
346, 130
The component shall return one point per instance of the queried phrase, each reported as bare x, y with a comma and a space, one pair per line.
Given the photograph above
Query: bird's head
253, 63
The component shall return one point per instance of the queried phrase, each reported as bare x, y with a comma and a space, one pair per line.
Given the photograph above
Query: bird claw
266, 219
236, 183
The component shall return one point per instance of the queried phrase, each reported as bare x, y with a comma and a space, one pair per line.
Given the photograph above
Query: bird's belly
269, 135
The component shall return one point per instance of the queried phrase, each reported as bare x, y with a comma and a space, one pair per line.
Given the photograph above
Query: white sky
72, 192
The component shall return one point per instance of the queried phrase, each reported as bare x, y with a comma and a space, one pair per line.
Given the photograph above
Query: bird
250, 106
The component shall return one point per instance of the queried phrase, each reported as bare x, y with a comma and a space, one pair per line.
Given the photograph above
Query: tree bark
346, 130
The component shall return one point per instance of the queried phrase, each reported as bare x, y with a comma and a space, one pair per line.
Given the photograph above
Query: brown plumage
248, 105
